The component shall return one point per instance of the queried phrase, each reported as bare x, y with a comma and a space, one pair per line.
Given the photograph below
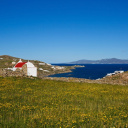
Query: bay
91, 71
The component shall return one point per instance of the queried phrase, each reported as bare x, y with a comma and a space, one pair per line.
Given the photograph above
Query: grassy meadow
37, 103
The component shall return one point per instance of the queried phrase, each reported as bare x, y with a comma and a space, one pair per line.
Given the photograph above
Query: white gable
30, 65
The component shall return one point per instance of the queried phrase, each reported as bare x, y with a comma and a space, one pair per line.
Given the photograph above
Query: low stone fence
6, 72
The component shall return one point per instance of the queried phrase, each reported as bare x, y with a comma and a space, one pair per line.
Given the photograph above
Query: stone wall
24, 69
7, 72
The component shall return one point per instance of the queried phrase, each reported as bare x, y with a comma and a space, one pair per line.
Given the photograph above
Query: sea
91, 71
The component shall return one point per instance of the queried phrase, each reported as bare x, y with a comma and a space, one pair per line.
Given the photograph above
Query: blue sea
92, 71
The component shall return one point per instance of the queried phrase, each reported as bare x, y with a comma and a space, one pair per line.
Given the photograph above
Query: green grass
35, 103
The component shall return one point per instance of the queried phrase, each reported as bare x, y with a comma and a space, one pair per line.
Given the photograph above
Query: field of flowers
37, 103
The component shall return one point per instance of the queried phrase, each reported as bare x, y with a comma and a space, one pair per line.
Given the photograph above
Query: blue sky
56, 31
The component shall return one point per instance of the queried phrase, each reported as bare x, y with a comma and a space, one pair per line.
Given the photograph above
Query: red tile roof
20, 64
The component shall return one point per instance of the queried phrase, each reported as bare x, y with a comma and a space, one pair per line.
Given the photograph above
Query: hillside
102, 61
43, 69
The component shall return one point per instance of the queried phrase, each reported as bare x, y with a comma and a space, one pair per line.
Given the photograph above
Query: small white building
31, 70
13, 63
41, 63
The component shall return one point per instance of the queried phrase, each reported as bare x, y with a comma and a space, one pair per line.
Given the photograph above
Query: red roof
20, 64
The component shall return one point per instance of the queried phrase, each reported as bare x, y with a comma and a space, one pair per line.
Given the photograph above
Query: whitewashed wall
32, 71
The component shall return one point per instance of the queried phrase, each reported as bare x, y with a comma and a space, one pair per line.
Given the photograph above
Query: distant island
102, 61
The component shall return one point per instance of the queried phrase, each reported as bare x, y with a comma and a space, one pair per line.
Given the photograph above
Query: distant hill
102, 61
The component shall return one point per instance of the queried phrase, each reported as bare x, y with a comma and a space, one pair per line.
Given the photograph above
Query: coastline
66, 69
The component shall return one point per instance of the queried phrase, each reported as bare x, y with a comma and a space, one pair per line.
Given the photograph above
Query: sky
58, 31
